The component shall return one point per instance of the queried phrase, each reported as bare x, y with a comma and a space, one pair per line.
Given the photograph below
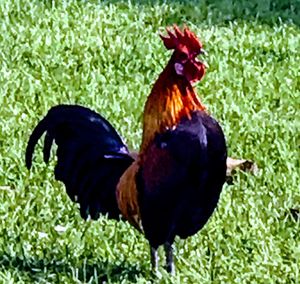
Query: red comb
178, 37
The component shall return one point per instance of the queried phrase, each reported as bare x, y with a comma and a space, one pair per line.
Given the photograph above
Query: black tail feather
34, 138
47, 146
91, 156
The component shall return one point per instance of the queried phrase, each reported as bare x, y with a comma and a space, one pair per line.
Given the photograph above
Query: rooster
172, 186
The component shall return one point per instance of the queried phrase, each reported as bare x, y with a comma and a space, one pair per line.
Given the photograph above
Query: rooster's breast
181, 177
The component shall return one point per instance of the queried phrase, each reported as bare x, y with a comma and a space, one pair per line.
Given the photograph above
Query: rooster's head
186, 49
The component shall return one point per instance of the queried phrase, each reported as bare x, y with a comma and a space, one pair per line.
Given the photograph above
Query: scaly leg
169, 258
154, 260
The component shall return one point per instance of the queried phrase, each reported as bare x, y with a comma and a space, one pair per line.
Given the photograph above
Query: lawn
106, 55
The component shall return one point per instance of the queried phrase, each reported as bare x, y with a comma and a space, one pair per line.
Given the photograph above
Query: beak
204, 52
205, 64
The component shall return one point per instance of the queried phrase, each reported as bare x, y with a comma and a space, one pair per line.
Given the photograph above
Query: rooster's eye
182, 56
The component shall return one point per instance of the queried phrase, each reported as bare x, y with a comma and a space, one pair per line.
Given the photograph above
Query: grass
106, 55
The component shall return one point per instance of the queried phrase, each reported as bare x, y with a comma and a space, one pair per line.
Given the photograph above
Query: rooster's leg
169, 258
154, 259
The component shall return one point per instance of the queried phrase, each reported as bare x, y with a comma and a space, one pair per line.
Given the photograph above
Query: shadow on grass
84, 271
222, 11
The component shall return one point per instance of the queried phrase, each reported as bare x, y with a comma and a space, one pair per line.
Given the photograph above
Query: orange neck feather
172, 98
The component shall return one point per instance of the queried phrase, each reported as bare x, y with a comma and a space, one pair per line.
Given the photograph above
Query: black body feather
181, 180
91, 157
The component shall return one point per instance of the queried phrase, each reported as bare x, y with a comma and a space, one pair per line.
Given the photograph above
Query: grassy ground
106, 56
